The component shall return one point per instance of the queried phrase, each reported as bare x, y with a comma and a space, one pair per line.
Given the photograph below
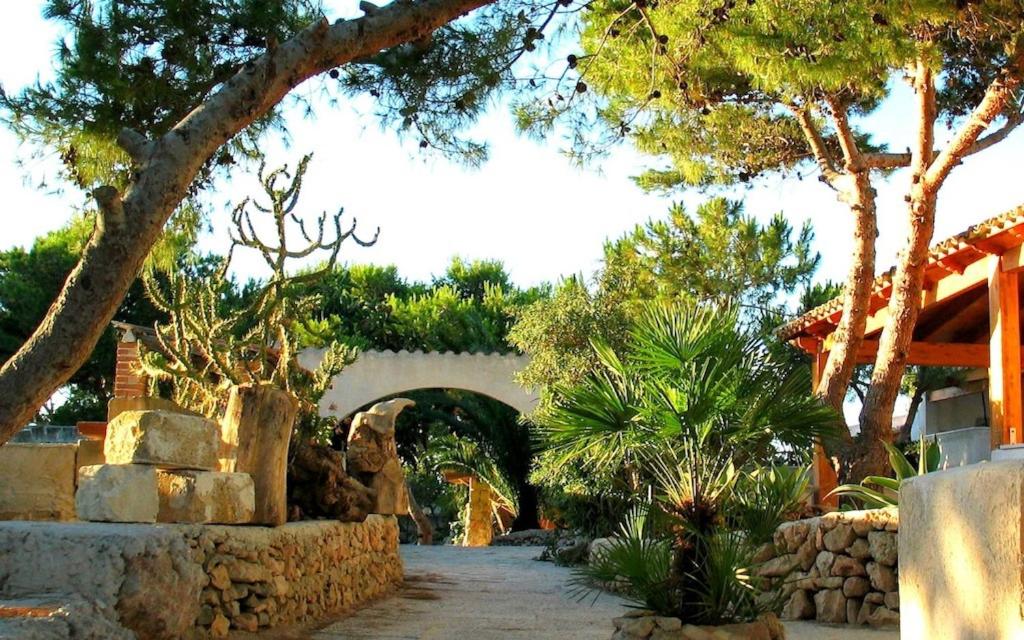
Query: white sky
527, 206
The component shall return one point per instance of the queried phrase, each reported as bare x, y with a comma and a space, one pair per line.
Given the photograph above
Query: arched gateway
378, 374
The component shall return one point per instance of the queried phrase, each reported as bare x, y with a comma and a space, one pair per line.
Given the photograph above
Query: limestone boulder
117, 493
892, 600
798, 607
830, 606
883, 617
839, 538
778, 566
856, 587
38, 481
883, 578
846, 566
883, 547
371, 442
824, 562
860, 549
205, 497
853, 606
162, 438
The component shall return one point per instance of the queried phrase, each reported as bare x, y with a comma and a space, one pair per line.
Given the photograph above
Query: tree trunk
255, 433
319, 486
905, 301
423, 524
528, 517
849, 335
128, 228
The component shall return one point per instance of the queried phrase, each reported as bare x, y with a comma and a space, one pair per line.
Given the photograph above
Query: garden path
456, 593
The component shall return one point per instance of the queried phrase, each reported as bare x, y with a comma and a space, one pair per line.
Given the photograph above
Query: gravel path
459, 593
455, 593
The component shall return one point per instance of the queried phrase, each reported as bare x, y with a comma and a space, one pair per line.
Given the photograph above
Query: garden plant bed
642, 625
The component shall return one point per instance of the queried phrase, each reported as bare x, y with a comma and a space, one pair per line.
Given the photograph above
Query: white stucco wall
377, 374
961, 553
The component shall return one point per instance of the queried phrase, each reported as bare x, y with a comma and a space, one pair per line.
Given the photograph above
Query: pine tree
721, 93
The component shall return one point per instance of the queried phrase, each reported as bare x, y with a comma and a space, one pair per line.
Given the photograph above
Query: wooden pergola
969, 317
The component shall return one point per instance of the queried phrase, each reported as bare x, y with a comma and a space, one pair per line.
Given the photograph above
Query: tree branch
997, 136
847, 141
997, 96
135, 144
814, 140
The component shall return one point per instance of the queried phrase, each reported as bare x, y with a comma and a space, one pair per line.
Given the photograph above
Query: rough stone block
37, 481
830, 606
117, 493
206, 497
883, 547
856, 587
90, 452
846, 566
882, 577
961, 551
162, 438
798, 607
840, 538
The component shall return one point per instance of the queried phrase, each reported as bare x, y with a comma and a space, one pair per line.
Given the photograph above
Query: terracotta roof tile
968, 237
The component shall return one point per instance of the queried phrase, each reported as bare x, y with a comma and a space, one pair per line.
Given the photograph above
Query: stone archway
380, 374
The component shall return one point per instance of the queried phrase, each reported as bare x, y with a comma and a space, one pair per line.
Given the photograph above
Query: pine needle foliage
207, 345
711, 90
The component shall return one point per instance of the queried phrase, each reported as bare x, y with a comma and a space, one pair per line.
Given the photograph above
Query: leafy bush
765, 498
690, 413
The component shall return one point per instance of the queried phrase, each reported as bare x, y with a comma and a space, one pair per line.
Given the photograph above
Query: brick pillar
129, 381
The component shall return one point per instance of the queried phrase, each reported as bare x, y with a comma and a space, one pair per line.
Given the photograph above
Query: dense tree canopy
719, 254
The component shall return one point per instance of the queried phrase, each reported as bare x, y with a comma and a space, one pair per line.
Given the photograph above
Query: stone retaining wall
841, 567
198, 581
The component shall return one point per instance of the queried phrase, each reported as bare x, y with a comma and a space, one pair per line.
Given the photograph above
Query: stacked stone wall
201, 581
840, 568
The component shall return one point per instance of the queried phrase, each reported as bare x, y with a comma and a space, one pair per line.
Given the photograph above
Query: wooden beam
975, 274
825, 477
1012, 259
1004, 384
929, 354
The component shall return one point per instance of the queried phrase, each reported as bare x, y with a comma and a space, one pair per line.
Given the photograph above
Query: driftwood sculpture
373, 455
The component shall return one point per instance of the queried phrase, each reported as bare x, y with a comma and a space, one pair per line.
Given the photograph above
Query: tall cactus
204, 347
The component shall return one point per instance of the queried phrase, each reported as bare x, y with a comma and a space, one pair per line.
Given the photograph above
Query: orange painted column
1004, 382
825, 478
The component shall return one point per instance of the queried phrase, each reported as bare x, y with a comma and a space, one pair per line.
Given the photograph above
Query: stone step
206, 497
117, 493
162, 438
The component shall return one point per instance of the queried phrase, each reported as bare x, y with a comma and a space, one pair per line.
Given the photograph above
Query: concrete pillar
962, 552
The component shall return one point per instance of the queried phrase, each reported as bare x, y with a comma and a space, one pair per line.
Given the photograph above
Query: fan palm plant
452, 454
693, 404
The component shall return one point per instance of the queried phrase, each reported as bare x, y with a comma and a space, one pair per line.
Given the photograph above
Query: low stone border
196, 581
842, 567
643, 625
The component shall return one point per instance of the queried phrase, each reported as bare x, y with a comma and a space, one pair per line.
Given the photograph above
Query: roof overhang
954, 306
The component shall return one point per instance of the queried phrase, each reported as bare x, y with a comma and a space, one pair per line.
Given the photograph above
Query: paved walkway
501, 593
